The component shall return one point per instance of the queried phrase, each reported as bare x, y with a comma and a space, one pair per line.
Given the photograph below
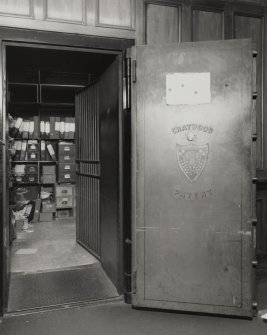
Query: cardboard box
46, 217
49, 169
63, 213
48, 207
64, 190
64, 177
64, 202
67, 159
32, 156
66, 167
21, 224
66, 149
37, 209
20, 179
31, 169
31, 178
32, 150
25, 193
49, 179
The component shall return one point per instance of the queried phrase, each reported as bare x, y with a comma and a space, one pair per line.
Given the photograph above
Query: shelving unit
44, 95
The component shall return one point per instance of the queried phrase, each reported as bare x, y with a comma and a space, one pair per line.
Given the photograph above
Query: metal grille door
88, 169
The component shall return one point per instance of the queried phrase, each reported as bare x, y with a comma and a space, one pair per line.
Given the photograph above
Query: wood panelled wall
206, 20
111, 18
160, 21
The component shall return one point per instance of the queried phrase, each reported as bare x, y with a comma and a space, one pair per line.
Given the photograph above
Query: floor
41, 290
116, 318
48, 246
120, 319
48, 268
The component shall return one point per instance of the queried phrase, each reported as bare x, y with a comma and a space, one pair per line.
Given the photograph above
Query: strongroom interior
63, 174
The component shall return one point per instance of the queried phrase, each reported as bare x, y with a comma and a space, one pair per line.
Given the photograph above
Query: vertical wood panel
16, 7
115, 13
65, 10
162, 24
207, 26
252, 27
262, 227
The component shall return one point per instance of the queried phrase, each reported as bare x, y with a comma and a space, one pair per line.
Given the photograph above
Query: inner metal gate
88, 169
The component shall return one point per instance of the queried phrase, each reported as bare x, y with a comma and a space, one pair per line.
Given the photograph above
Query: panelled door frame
51, 40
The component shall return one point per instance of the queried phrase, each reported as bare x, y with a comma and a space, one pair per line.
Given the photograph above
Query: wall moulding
162, 21
65, 11
116, 14
17, 8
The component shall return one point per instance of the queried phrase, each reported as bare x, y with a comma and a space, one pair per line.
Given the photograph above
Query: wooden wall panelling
17, 8
65, 10
211, 20
83, 17
162, 22
264, 100
186, 22
207, 25
115, 13
140, 21
252, 26
261, 243
38, 9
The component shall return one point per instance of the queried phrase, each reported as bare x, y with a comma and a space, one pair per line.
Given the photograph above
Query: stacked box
31, 178
49, 174
48, 207
66, 162
32, 150
37, 208
63, 213
64, 196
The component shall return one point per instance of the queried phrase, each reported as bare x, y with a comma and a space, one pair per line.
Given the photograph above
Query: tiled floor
48, 246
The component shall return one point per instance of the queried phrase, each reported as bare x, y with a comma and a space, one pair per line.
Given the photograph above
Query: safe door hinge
254, 137
132, 278
254, 75
254, 221
127, 84
255, 305
134, 71
134, 282
255, 180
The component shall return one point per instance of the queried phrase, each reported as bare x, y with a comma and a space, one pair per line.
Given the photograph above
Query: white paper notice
188, 88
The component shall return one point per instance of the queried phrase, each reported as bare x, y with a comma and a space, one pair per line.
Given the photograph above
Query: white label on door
188, 88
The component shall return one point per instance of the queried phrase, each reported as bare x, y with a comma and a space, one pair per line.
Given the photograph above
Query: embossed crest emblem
192, 159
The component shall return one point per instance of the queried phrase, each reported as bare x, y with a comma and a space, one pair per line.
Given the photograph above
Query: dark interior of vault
47, 265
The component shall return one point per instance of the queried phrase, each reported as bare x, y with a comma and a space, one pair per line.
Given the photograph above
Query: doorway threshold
119, 298
65, 288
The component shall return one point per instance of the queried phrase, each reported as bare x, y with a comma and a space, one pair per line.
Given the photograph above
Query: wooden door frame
60, 41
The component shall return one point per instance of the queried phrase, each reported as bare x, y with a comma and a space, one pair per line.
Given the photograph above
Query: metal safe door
192, 177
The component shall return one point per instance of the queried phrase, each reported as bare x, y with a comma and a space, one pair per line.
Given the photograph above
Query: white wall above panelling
22, 8
111, 18
116, 13
65, 10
